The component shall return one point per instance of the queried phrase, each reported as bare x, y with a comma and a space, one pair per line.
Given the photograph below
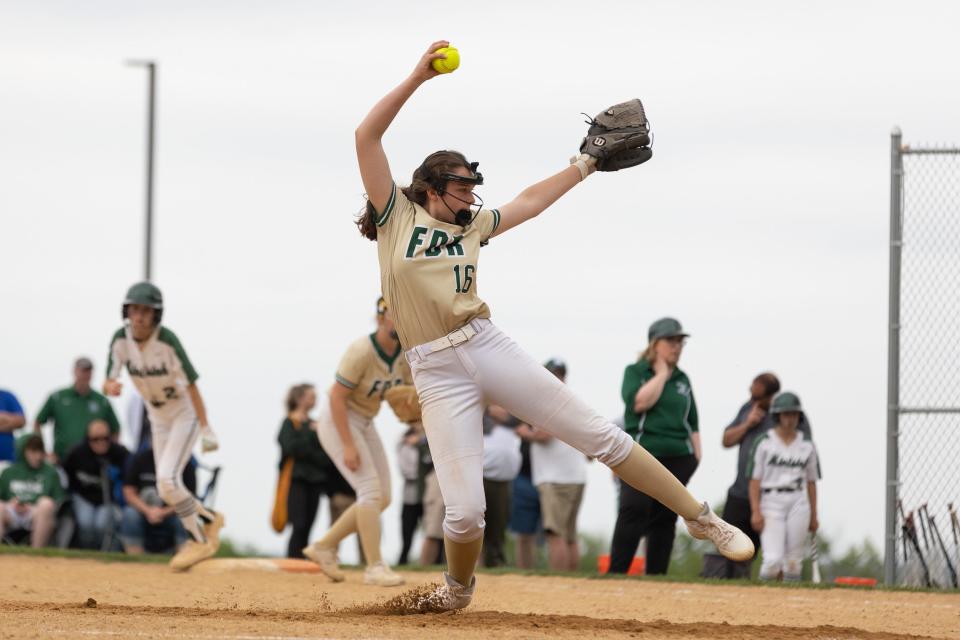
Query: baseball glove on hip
404, 402
619, 137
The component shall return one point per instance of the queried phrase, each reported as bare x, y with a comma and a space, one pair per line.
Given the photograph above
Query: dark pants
302, 504
640, 515
409, 518
497, 516
737, 513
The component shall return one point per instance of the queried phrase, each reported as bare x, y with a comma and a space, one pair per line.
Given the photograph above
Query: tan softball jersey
428, 269
368, 372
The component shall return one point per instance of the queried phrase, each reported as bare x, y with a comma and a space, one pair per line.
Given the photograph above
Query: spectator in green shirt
661, 415
30, 492
73, 409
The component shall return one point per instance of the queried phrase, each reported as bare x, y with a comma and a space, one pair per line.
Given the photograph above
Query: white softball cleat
381, 575
449, 596
327, 561
731, 542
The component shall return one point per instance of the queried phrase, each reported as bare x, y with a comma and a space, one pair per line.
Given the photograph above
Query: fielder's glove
618, 138
404, 402
208, 439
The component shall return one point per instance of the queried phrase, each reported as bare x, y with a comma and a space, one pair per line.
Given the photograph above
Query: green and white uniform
784, 470
161, 371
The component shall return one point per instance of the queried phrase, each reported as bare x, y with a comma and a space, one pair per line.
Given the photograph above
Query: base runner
164, 376
783, 472
429, 236
371, 367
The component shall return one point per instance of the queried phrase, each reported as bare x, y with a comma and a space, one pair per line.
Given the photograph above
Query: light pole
151, 67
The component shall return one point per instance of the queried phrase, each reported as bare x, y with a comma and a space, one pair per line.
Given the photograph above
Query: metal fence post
893, 359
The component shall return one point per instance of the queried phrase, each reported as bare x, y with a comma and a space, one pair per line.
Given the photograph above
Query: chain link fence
923, 462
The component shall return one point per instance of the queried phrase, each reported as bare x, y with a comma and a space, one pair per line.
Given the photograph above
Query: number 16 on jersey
464, 276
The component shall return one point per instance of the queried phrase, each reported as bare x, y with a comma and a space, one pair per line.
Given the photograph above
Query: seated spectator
149, 524
72, 410
501, 464
560, 476
30, 492
94, 469
11, 419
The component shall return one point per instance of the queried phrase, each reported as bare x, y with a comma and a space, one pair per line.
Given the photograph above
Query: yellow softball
448, 64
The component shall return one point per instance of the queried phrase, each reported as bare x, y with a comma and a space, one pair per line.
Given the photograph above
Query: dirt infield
66, 598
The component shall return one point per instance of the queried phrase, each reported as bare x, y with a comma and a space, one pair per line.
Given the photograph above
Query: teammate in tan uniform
429, 237
371, 365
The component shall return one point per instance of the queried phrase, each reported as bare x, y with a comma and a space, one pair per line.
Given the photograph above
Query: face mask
463, 215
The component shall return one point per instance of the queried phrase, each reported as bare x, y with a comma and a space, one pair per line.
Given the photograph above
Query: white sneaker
381, 575
731, 542
448, 597
326, 559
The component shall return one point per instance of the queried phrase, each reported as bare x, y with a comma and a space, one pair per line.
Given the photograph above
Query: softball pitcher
166, 379
429, 236
783, 473
371, 366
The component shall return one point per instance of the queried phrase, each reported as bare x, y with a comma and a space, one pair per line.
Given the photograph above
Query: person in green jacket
314, 474
30, 492
661, 415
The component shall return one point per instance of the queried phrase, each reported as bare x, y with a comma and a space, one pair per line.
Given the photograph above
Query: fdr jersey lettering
428, 269
368, 371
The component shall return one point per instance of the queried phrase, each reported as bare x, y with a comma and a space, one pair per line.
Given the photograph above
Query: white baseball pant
456, 384
371, 480
786, 521
173, 440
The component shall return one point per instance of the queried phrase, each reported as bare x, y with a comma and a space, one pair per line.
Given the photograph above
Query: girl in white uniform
372, 365
783, 472
163, 374
429, 236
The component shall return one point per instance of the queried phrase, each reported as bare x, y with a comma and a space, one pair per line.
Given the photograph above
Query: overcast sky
761, 221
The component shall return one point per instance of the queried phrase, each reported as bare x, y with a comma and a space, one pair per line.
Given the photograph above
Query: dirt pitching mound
411, 602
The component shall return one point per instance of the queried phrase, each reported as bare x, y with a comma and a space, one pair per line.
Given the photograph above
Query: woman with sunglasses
661, 415
429, 236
